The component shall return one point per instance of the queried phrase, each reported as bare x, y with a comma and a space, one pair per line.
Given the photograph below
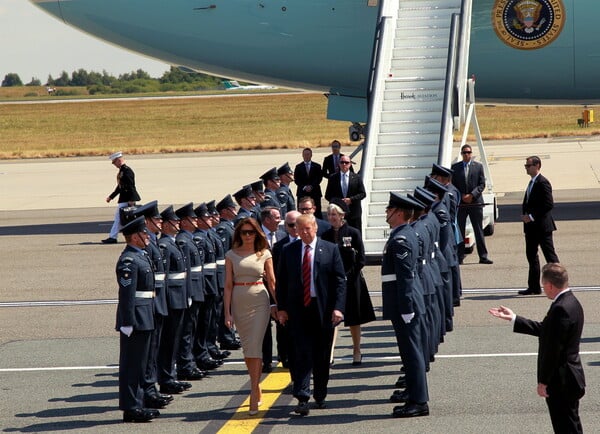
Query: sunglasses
466, 152
291, 225
344, 162
248, 232
528, 165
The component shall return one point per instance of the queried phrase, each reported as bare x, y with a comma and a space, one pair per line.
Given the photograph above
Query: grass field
207, 124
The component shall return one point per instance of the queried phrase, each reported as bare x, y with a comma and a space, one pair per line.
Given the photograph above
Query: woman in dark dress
359, 309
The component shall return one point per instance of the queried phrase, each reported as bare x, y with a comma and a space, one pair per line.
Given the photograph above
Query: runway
59, 350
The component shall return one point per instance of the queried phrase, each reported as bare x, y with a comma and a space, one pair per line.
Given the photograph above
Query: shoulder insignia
125, 282
402, 256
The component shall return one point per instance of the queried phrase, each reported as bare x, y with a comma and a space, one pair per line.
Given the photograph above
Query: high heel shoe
357, 361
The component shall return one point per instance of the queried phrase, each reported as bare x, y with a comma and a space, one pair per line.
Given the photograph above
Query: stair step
424, 30
380, 232
432, 50
417, 95
384, 195
399, 84
396, 184
429, 5
420, 20
411, 115
419, 62
392, 172
374, 247
409, 127
410, 104
410, 146
416, 160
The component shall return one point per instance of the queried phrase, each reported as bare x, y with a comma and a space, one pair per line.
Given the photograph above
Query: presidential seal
528, 24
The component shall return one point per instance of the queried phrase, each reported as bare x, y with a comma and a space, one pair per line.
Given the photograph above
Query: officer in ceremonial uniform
403, 303
153, 220
286, 177
135, 321
225, 229
176, 290
247, 201
272, 184
186, 364
262, 200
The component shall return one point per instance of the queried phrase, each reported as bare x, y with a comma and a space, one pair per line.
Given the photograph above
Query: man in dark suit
331, 163
135, 321
306, 205
469, 178
348, 186
538, 223
126, 191
311, 295
559, 371
308, 176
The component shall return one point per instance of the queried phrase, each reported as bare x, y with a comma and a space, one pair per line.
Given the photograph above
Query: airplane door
586, 49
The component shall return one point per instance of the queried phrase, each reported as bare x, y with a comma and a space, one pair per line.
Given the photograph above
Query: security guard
186, 365
176, 289
403, 303
135, 321
286, 177
272, 184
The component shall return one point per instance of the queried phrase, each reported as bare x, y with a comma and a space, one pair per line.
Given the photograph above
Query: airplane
544, 51
235, 85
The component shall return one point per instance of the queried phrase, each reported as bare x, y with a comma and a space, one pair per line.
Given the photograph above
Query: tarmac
59, 350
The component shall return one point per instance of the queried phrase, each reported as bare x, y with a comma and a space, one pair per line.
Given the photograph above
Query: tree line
134, 82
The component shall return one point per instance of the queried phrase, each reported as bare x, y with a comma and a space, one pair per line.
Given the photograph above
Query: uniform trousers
151, 375
312, 349
205, 314
116, 226
169, 346
133, 362
185, 357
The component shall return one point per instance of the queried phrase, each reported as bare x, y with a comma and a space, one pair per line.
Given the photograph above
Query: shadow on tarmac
562, 211
58, 229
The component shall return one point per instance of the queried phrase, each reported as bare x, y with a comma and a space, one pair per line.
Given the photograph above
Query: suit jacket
329, 166
314, 178
125, 186
474, 185
558, 365
329, 279
539, 205
356, 192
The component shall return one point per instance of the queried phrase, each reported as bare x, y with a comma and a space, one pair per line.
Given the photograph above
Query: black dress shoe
401, 382
137, 415
221, 355
154, 413
208, 364
184, 384
302, 408
320, 404
267, 368
172, 388
529, 291
191, 375
399, 396
485, 261
166, 396
155, 401
109, 240
236, 345
411, 410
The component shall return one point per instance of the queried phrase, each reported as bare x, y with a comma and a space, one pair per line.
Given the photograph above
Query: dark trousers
169, 346
201, 349
226, 335
355, 222
311, 350
133, 361
564, 414
408, 337
185, 357
151, 375
533, 240
267, 346
475, 213
283, 344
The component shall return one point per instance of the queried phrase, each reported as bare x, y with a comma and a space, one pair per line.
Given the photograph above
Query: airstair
417, 96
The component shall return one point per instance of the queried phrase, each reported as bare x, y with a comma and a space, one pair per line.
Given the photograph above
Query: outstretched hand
502, 312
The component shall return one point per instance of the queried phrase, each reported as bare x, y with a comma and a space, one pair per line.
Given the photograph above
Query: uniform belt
424, 262
211, 266
178, 276
247, 283
388, 278
159, 276
196, 269
144, 294
220, 261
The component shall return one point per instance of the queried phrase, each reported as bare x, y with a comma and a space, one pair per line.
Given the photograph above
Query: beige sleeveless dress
250, 306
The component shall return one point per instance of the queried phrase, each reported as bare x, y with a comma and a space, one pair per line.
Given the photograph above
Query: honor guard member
186, 364
126, 191
153, 220
445, 244
286, 177
403, 303
225, 229
176, 289
434, 311
204, 244
451, 199
135, 321
262, 200
272, 183
246, 200
220, 260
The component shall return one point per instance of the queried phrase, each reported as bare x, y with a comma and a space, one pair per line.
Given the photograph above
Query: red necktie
306, 275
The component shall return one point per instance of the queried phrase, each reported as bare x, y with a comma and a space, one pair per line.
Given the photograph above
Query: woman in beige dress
249, 279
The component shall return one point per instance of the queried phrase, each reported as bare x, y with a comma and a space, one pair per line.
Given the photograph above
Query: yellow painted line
272, 386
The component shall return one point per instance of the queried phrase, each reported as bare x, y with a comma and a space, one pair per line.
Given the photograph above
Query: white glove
407, 317
126, 330
189, 301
